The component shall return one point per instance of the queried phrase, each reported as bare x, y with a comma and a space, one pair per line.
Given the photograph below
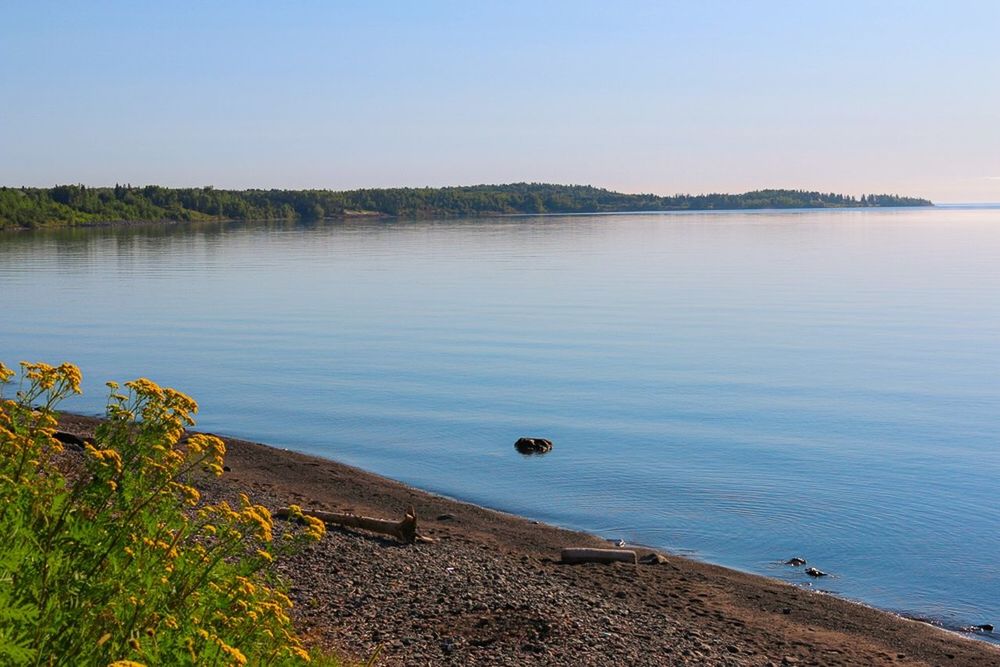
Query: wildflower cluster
314, 527
122, 564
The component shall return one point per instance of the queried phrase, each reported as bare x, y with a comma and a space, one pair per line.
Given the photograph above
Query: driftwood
404, 530
583, 555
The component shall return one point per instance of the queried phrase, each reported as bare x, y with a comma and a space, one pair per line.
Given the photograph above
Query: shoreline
168, 222
490, 588
355, 216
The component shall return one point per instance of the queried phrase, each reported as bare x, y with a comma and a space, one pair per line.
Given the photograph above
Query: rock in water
533, 445
796, 561
813, 572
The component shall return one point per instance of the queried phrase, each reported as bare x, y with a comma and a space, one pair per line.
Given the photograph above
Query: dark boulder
533, 445
73, 441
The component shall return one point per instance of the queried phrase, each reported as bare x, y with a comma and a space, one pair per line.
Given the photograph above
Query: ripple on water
740, 387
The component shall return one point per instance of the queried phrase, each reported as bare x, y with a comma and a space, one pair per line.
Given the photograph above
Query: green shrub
111, 558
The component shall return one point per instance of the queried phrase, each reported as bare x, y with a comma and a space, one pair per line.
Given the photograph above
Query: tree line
64, 205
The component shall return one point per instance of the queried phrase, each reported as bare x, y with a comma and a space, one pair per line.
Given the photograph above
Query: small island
69, 205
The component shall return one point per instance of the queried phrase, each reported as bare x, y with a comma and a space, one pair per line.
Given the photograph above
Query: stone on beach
653, 559
72, 440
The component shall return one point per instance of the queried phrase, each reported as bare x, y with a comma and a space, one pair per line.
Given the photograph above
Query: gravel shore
489, 589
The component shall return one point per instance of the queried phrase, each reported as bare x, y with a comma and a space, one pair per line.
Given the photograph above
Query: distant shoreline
99, 224
78, 205
366, 215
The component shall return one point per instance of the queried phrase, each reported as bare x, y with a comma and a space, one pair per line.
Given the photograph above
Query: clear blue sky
658, 97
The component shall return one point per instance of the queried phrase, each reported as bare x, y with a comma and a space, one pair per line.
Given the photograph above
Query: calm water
742, 387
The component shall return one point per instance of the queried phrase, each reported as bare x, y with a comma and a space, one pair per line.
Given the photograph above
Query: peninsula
69, 205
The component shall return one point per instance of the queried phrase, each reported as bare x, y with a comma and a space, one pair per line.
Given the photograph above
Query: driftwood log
404, 530
583, 555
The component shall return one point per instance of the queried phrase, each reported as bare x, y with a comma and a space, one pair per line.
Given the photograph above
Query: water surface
741, 387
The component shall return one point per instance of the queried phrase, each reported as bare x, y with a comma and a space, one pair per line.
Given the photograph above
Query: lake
740, 387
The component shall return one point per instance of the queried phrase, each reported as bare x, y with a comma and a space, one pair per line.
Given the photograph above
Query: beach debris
72, 440
529, 446
795, 561
813, 572
653, 559
574, 555
404, 530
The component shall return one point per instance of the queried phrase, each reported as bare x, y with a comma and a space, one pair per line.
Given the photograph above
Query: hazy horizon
644, 97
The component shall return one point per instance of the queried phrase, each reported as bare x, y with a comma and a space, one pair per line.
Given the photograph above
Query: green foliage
111, 558
78, 204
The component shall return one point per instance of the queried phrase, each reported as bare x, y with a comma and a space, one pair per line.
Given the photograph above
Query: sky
662, 97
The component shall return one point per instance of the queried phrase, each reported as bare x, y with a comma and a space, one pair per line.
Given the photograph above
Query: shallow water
741, 387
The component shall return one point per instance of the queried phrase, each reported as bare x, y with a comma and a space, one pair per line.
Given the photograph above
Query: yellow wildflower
233, 652
72, 376
246, 586
315, 528
108, 458
300, 652
145, 387
67, 376
189, 494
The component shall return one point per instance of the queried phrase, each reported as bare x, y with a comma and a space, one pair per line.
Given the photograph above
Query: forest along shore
70, 205
490, 590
